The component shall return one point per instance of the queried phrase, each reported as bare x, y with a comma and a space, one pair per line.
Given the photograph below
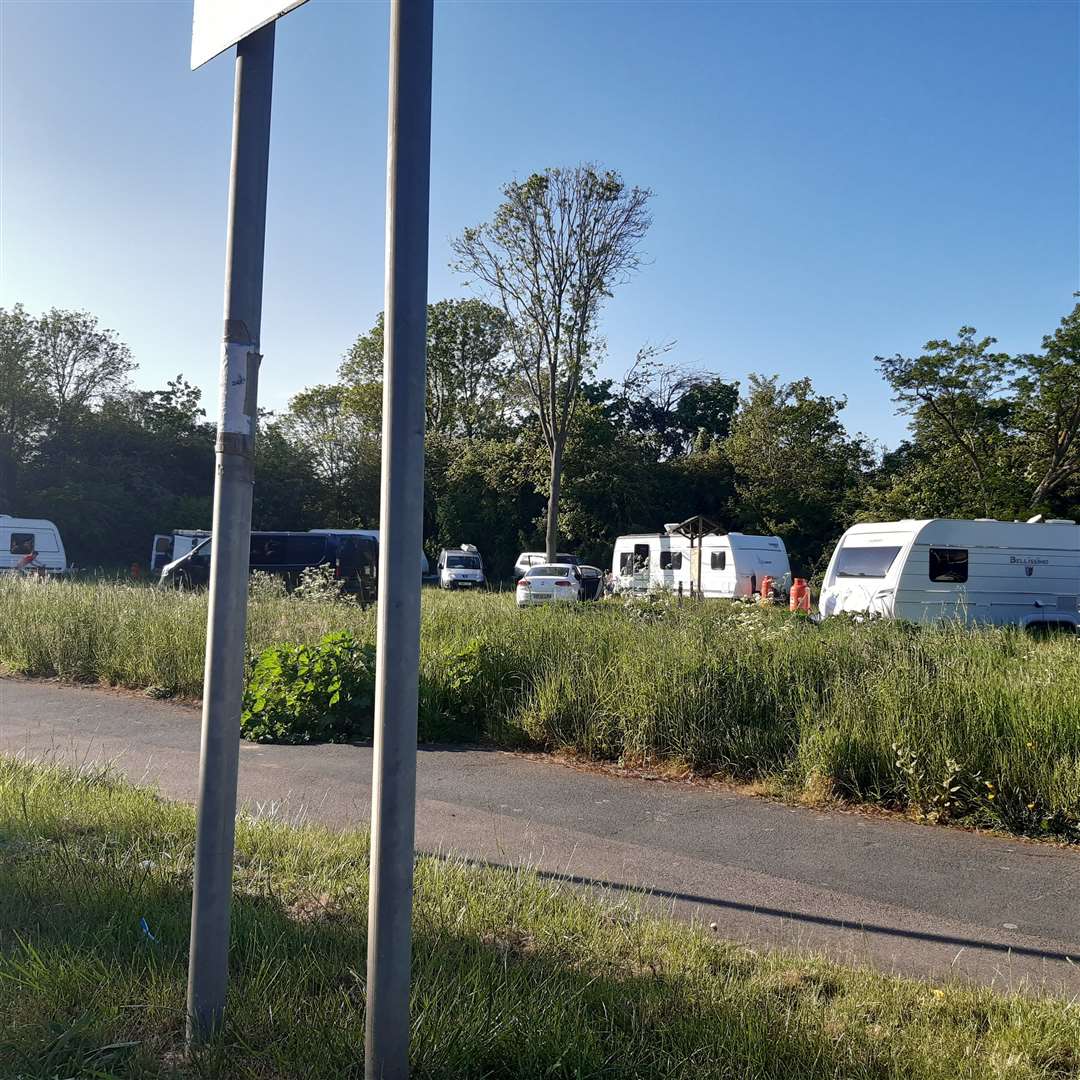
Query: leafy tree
1047, 411
797, 471
678, 410
468, 369
81, 364
556, 247
342, 448
24, 403
288, 493
956, 394
490, 497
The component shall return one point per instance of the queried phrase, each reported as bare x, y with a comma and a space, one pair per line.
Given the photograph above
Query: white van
982, 571
460, 568
168, 547
732, 564
20, 538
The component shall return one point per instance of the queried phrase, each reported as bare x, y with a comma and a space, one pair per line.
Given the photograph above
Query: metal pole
223, 681
393, 797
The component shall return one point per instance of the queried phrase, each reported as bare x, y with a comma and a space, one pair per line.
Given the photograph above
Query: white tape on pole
217, 25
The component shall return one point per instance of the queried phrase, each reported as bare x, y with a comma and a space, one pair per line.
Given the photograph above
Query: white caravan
983, 571
732, 564
21, 538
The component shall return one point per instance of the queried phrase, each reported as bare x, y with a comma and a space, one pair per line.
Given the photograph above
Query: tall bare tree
556, 247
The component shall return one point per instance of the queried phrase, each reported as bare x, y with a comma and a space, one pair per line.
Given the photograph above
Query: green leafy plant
311, 693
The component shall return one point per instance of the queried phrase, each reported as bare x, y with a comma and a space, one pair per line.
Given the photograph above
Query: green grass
952, 723
511, 977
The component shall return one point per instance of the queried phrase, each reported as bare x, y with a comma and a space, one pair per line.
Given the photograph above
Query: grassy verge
511, 977
957, 724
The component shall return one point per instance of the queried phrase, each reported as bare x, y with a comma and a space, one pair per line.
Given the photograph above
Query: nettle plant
311, 693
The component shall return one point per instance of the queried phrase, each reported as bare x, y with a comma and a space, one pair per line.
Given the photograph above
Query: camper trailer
983, 571
731, 564
31, 544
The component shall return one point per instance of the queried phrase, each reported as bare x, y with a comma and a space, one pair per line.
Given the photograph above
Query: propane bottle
800, 595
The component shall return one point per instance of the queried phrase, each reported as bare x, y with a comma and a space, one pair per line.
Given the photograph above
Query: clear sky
832, 181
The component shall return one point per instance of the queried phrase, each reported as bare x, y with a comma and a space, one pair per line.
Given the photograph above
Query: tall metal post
230, 547
393, 799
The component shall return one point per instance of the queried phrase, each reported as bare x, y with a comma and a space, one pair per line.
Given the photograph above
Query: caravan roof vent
986, 519
1060, 521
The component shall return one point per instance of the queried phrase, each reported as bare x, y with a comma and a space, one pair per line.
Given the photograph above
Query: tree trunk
553, 502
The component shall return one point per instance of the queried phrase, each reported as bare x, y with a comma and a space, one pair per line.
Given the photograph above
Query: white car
550, 583
539, 558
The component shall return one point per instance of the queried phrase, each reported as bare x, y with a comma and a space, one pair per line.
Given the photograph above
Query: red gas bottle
800, 595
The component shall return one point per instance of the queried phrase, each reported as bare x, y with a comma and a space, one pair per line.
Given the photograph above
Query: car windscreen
865, 562
462, 562
549, 571
571, 559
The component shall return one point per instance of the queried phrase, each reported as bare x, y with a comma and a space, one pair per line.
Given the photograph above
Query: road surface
904, 897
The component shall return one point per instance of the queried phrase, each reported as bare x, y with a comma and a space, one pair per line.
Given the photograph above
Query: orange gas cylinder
766, 590
800, 595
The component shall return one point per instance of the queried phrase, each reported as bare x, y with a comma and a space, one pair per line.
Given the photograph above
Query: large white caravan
732, 564
982, 571
31, 544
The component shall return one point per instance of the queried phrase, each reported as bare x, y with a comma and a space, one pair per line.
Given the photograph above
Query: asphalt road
904, 897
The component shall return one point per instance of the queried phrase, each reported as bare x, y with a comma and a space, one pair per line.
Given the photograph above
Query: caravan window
872, 562
670, 560
626, 562
949, 564
718, 560
22, 543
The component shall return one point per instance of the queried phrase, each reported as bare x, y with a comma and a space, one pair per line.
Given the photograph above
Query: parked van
287, 554
731, 564
460, 568
31, 543
425, 566
174, 545
982, 571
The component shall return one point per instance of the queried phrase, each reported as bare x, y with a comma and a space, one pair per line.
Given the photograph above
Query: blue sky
832, 181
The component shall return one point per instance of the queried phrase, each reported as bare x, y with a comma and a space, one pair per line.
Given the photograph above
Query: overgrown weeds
954, 724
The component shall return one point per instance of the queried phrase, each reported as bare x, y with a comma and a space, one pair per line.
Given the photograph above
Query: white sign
217, 25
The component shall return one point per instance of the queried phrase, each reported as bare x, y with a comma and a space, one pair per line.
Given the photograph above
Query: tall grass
511, 977
982, 724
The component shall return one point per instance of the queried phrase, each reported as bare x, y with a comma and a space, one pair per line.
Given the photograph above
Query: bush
311, 693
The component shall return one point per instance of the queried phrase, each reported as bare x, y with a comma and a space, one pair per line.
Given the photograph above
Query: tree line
526, 446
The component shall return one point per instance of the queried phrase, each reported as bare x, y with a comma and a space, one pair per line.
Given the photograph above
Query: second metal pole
223, 683
393, 799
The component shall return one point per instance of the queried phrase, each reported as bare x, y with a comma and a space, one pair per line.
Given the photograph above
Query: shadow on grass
85, 989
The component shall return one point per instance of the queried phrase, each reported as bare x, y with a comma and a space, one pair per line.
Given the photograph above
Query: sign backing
217, 25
